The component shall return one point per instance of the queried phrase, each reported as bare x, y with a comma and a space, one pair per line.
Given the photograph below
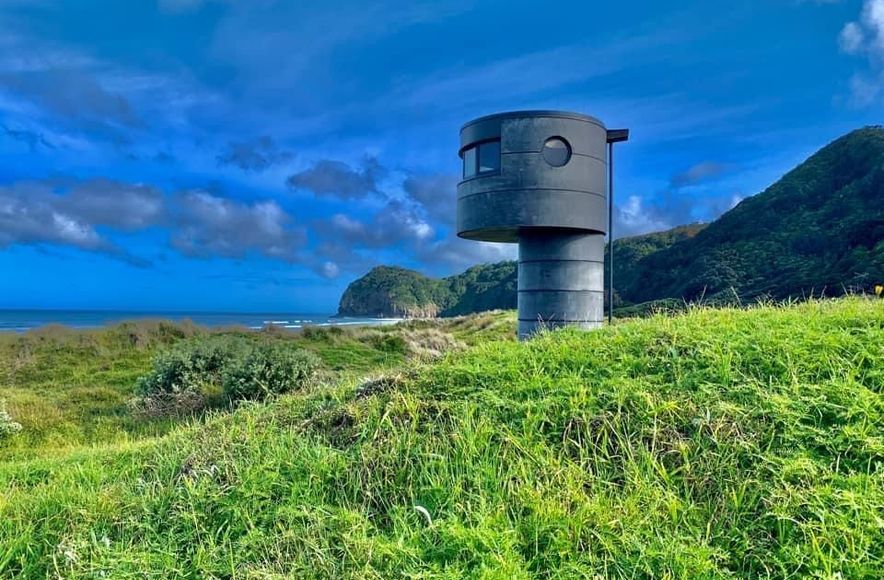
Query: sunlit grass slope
715, 443
70, 388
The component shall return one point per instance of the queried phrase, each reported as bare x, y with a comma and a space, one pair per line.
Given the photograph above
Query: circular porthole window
556, 151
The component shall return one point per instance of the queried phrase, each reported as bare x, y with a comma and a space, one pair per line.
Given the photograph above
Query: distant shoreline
20, 321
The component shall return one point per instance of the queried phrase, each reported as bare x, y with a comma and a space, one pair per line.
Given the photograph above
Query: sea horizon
25, 319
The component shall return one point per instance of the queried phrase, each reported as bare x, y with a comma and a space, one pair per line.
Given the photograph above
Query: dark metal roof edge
537, 113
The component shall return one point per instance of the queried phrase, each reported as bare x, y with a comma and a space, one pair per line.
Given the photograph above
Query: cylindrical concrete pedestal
561, 280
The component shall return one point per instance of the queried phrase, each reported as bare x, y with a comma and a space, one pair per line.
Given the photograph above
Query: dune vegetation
712, 443
69, 388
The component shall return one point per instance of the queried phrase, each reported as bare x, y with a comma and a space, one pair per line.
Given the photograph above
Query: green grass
715, 443
70, 388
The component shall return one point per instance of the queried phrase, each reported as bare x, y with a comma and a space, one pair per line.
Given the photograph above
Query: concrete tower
539, 178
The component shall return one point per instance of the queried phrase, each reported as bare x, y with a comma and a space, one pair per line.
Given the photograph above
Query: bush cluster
263, 370
388, 343
239, 368
191, 365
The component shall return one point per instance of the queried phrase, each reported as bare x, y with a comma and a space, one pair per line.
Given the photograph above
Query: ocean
23, 320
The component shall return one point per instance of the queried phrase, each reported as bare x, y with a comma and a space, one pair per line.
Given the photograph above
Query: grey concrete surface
557, 214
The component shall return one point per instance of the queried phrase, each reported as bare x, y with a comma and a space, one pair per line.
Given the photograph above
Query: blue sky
259, 155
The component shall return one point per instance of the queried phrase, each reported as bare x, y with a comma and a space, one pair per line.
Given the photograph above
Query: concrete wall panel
558, 215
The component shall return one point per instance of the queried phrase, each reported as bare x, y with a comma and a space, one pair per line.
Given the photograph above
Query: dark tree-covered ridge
818, 229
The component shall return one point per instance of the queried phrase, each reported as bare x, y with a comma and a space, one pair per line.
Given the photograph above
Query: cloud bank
331, 178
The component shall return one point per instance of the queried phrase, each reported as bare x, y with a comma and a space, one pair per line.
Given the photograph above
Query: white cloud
395, 223
634, 218
435, 193
852, 38
332, 178
453, 254
873, 18
698, 173
69, 213
81, 214
209, 226
866, 37
640, 215
330, 270
82, 100
68, 230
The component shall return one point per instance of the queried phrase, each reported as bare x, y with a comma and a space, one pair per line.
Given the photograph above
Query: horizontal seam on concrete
516, 189
521, 290
557, 260
573, 154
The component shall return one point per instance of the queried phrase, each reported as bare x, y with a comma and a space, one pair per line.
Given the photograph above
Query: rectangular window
481, 159
469, 163
489, 157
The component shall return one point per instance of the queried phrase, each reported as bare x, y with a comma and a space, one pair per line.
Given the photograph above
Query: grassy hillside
711, 444
821, 227
70, 388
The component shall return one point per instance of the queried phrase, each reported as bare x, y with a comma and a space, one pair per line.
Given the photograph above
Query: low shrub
146, 333
382, 384
191, 365
322, 333
8, 427
185, 378
267, 369
388, 343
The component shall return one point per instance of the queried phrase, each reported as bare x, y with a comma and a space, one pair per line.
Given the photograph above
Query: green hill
628, 252
819, 229
483, 287
715, 444
393, 292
